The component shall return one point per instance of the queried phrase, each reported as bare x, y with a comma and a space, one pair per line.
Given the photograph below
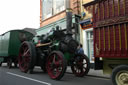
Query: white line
29, 78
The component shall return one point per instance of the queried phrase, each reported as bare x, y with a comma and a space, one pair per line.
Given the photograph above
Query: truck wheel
81, 65
27, 56
56, 65
120, 75
9, 63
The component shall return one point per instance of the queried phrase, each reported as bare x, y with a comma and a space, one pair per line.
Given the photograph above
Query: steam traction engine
54, 51
110, 22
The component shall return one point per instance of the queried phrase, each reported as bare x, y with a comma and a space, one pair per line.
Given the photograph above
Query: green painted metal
68, 55
10, 42
61, 23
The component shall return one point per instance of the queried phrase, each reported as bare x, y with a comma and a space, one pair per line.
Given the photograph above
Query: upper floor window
52, 7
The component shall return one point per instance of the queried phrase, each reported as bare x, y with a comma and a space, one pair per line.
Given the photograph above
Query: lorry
110, 29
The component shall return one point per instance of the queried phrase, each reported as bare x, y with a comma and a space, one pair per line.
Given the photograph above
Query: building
53, 13
86, 32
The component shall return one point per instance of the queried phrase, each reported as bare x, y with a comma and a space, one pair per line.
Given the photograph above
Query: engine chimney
68, 17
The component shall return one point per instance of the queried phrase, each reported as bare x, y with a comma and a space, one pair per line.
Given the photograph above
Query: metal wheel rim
54, 65
78, 67
122, 78
24, 57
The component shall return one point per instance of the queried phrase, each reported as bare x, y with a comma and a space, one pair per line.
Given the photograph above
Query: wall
88, 10
87, 15
74, 4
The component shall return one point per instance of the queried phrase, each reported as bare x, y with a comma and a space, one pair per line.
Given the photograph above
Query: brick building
54, 10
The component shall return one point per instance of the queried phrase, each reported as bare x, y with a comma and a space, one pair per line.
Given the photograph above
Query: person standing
80, 49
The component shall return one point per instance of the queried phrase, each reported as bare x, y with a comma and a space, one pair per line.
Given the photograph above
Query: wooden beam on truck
118, 7
114, 37
126, 41
109, 38
124, 7
103, 11
120, 36
108, 8
113, 8
99, 39
104, 37
98, 11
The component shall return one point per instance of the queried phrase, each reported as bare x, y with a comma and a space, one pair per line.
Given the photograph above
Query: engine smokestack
68, 17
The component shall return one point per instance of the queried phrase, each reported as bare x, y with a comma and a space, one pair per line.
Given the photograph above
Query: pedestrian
80, 49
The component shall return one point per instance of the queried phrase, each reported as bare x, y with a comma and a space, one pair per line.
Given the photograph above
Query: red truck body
110, 22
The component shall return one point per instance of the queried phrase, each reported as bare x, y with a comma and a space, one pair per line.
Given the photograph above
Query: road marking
29, 78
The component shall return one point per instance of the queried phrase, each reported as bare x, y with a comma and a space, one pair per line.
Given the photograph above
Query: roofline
13, 30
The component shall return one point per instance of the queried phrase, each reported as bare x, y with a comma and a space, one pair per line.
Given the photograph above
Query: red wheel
26, 56
81, 65
56, 65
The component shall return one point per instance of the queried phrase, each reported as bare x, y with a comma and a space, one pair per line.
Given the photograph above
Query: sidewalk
93, 73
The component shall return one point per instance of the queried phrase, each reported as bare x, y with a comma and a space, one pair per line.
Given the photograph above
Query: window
52, 7
47, 9
90, 45
59, 6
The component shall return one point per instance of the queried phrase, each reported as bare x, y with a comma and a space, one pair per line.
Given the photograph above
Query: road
14, 76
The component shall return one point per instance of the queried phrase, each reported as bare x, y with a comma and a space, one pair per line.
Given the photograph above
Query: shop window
52, 7
90, 45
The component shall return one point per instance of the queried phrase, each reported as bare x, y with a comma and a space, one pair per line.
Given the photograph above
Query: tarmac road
14, 76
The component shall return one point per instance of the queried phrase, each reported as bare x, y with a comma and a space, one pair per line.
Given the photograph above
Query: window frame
53, 9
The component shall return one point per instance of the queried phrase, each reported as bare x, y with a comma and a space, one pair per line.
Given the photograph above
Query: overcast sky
19, 14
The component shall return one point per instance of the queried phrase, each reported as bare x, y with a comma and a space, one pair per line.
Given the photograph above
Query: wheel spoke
26, 52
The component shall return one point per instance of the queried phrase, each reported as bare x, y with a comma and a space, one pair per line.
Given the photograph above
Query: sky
19, 14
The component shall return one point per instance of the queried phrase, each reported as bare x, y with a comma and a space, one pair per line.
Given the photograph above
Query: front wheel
120, 75
81, 65
56, 65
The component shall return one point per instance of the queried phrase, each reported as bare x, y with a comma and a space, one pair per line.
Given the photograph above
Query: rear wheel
27, 57
56, 65
81, 65
120, 75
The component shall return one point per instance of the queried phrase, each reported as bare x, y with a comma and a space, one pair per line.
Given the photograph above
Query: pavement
93, 73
